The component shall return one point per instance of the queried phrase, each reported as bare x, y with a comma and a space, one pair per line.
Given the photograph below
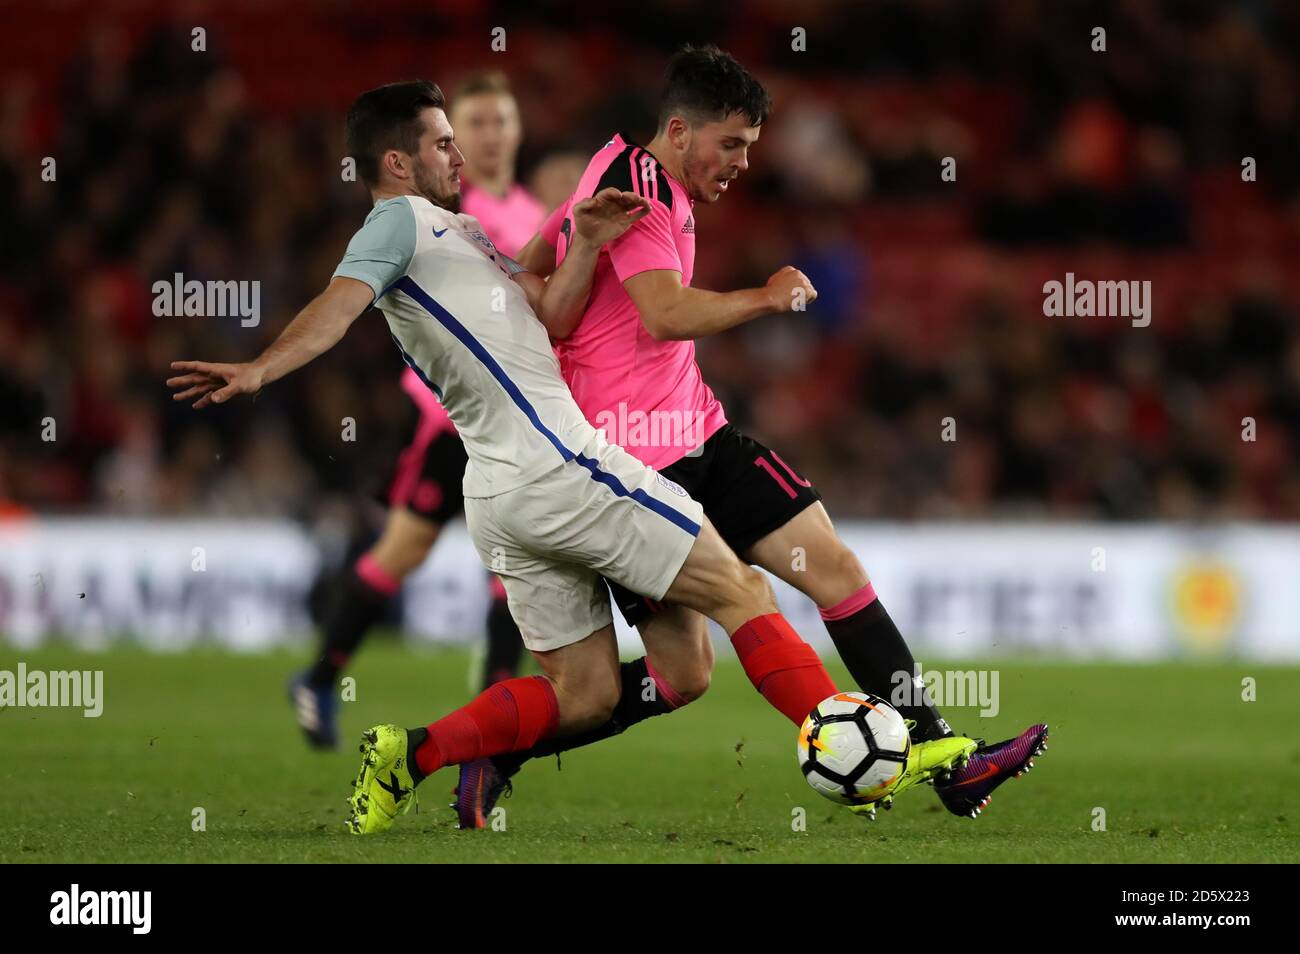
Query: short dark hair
705, 84
388, 118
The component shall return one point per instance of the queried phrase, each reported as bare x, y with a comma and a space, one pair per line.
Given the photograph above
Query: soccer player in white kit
424, 492
550, 505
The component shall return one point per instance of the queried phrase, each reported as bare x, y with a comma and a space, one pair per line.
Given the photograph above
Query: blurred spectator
1123, 165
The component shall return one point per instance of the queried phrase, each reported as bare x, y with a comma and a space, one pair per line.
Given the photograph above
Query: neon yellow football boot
926, 762
384, 788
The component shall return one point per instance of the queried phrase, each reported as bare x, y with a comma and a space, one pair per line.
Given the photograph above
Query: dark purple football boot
966, 791
481, 786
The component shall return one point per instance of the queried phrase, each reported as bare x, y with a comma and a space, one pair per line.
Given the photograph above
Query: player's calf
585, 679
679, 655
644, 692
585, 707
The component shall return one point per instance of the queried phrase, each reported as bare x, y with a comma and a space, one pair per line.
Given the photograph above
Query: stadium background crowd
225, 164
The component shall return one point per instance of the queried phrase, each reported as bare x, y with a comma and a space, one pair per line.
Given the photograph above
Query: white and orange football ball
853, 748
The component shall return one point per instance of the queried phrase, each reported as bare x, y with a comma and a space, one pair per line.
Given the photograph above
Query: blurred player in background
424, 491
554, 179
486, 119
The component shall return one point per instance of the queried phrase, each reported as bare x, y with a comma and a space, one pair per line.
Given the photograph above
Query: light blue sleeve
512, 267
380, 253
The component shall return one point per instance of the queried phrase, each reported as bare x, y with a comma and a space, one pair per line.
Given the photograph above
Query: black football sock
875, 653
414, 739
632, 708
358, 605
504, 644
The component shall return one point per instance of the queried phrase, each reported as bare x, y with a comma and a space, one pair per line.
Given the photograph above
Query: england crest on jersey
672, 485
484, 242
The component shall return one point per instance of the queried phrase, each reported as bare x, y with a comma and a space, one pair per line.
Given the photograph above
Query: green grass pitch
1185, 770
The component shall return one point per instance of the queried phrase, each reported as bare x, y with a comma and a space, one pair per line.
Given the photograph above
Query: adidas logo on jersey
689, 227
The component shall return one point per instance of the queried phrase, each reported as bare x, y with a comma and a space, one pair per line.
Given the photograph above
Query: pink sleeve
646, 246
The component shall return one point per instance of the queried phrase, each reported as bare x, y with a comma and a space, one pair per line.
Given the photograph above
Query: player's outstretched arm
560, 300
672, 311
315, 330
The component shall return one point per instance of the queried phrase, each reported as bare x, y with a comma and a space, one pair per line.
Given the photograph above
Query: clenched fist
790, 290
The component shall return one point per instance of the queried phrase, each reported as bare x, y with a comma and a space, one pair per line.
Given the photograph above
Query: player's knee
753, 587
846, 569
741, 587
843, 576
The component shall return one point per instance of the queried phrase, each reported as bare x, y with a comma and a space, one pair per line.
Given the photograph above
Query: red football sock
782, 666
511, 716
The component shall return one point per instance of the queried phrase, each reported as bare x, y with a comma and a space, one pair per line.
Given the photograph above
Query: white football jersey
466, 329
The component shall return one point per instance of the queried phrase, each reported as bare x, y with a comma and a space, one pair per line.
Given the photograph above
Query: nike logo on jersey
440, 234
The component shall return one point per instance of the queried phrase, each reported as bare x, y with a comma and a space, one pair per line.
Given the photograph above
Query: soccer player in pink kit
487, 123
424, 492
630, 362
